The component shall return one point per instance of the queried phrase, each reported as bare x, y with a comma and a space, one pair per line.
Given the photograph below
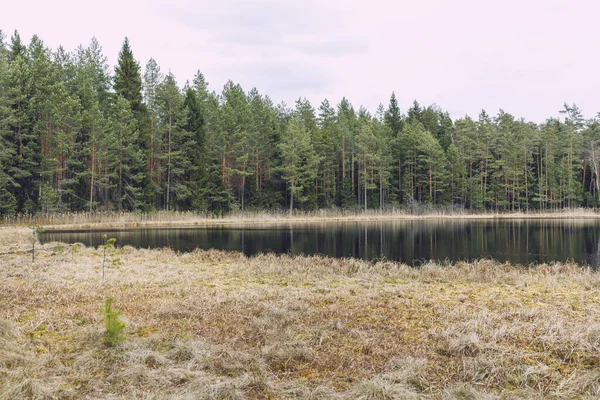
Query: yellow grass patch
210, 324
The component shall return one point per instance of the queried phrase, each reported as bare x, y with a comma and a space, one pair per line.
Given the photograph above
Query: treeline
76, 136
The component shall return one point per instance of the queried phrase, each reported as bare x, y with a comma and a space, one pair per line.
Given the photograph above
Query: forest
78, 136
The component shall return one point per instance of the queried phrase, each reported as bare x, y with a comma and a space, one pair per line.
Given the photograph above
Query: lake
415, 242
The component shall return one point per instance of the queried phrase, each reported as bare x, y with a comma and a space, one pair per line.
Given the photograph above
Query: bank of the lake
209, 324
124, 220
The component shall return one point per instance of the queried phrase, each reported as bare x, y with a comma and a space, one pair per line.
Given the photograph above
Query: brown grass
60, 221
210, 324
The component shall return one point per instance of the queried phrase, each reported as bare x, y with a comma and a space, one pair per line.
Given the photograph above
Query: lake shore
210, 324
189, 219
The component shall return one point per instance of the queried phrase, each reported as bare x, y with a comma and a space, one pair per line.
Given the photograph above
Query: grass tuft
219, 325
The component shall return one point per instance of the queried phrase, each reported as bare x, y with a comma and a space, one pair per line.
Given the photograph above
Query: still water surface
412, 242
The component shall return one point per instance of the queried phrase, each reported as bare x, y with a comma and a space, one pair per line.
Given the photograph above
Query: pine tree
42, 88
347, 124
175, 139
263, 155
215, 196
572, 129
299, 166
305, 113
326, 147
195, 174
368, 146
65, 114
385, 157
433, 167
394, 121
152, 80
456, 175
93, 74
235, 121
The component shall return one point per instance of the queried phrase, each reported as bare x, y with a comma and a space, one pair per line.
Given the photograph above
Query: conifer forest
78, 135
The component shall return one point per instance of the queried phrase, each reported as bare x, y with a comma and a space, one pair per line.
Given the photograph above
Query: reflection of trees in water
518, 241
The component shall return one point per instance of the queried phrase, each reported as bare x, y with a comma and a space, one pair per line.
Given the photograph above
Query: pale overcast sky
527, 57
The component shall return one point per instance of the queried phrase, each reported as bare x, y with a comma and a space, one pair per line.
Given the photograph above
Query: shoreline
170, 220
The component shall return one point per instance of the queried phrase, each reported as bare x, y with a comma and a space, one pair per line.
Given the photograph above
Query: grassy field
222, 326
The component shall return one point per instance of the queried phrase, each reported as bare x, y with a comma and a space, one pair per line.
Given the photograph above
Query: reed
164, 218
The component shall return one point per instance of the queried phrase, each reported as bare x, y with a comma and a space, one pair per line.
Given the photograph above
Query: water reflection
414, 242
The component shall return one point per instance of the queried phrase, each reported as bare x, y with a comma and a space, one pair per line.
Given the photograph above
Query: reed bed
163, 218
217, 325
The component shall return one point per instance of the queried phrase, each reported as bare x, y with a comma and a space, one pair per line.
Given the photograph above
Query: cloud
286, 49
331, 49
288, 77
265, 25
525, 57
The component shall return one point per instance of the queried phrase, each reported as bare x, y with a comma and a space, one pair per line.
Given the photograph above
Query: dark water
412, 242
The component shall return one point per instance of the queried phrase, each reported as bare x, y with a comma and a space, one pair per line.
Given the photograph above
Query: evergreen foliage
74, 137
114, 328
127, 80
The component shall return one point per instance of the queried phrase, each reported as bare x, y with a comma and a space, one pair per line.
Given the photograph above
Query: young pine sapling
113, 326
35, 230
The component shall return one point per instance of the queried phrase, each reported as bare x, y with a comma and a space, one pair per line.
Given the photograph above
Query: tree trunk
256, 172
352, 172
380, 191
540, 178
399, 176
92, 178
120, 186
292, 198
365, 184
169, 168
595, 166
430, 182
343, 159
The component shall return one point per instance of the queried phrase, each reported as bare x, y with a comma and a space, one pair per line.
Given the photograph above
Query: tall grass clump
408, 211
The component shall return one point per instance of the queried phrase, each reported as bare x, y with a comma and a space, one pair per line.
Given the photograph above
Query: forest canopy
77, 135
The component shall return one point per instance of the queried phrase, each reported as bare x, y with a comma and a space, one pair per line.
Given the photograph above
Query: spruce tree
17, 48
392, 117
8, 201
127, 79
124, 158
25, 165
128, 84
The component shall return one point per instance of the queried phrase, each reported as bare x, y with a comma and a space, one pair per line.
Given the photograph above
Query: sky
526, 57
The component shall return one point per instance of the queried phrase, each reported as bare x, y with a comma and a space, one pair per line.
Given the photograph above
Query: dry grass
222, 326
164, 218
